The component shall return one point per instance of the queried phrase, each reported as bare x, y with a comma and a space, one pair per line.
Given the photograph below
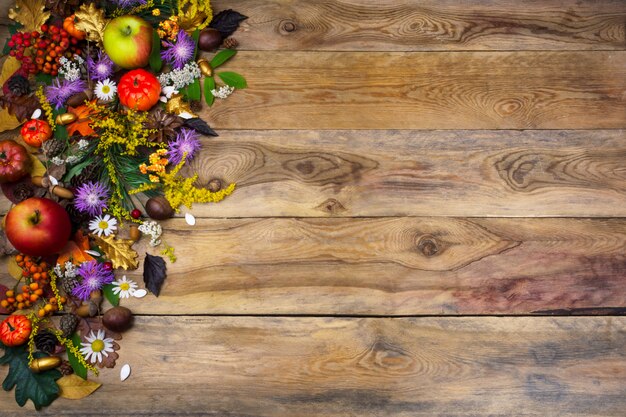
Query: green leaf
233, 79
194, 92
209, 84
113, 298
43, 78
222, 56
76, 169
78, 367
40, 388
155, 55
195, 35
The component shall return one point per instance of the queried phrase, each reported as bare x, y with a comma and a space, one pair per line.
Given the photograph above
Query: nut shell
158, 208
209, 40
118, 319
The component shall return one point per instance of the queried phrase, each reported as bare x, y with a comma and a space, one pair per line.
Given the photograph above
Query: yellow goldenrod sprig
34, 322
169, 252
135, 10
55, 289
45, 105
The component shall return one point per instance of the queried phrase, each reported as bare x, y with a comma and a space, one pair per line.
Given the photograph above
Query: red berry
27, 43
19, 41
12, 53
11, 44
27, 35
34, 34
135, 214
108, 265
44, 28
73, 41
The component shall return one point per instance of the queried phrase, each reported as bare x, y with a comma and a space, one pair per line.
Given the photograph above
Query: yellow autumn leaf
91, 20
39, 170
7, 120
30, 13
14, 269
118, 251
74, 387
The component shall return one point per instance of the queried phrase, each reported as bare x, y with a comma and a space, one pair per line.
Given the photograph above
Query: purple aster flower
94, 276
100, 69
91, 198
62, 89
179, 53
186, 142
128, 3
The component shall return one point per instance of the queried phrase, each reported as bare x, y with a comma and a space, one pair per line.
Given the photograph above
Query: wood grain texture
419, 173
390, 266
431, 25
455, 90
362, 367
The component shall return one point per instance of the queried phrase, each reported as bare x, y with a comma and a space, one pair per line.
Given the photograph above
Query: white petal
53, 180
125, 372
186, 115
140, 293
93, 253
36, 114
191, 221
163, 99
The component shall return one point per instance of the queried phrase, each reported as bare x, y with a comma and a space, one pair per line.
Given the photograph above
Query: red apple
38, 227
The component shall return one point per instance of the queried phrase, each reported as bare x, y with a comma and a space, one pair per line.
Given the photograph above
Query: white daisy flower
103, 225
105, 90
124, 287
97, 348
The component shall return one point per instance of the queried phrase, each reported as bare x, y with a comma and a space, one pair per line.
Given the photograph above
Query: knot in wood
428, 245
288, 27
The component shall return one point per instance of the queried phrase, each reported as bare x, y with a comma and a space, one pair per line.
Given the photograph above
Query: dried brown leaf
30, 13
91, 20
119, 251
74, 387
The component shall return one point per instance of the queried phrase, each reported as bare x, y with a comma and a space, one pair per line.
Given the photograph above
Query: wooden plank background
405, 169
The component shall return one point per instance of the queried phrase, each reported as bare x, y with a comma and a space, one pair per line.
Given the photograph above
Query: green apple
128, 41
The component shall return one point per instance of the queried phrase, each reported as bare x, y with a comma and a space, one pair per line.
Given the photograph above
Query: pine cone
68, 284
77, 218
65, 368
68, 324
165, 124
230, 43
22, 191
18, 85
46, 341
53, 147
89, 173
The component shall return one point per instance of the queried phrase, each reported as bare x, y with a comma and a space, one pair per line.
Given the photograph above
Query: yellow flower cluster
55, 290
157, 165
179, 190
45, 105
135, 10
168, 29
169, 252
125, 130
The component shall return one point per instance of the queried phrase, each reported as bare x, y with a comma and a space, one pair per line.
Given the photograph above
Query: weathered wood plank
390, 266
435, 25
456, 90
418, 173
421, 173
367, 367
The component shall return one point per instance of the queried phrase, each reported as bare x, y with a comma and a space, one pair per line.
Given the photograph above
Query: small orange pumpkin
68, 25
15, 330
35, 132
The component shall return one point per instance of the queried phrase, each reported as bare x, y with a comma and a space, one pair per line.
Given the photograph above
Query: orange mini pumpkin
68, 25
139, 89
15, 330
35, 132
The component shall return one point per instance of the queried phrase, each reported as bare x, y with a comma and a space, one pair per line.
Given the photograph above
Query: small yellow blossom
156, 12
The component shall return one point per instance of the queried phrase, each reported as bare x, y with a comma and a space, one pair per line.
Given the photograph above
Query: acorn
65, 119
135, 234
205, 67
210, 39
158, 208
77, 99
44, 364
118, 319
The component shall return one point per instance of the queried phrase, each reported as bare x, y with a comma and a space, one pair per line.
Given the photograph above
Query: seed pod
87, 310
44, 364
158, 208
205, 67
65, 119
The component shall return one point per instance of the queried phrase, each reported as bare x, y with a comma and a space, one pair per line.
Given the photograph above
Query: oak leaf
119, 251
82, 125
30, 13
74, 387
91, 20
